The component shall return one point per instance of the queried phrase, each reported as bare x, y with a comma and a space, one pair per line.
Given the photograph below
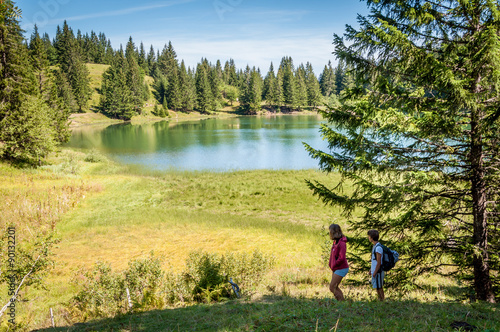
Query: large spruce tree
31, 123
69, 54
418, 136
117, 99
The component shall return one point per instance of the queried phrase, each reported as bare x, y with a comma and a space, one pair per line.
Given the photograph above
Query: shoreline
94, 120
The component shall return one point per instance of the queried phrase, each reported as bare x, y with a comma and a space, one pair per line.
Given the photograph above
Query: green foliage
417, 134
117, 93
204, 97
71, 63
208, 274
327, 81
27, 135
232, 93
103, 292
252, 95
94, 156
144, 279
204, 273
313, 87
286, 71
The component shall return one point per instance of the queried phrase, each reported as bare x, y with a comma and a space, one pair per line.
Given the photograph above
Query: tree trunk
482, 280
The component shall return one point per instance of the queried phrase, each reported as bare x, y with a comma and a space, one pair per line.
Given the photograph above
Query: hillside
90, 117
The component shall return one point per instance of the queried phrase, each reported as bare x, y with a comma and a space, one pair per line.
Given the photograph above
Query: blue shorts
342, 272
378, 280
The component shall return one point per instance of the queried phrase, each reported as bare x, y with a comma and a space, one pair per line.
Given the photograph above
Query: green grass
281, 313
116, 214
96, 72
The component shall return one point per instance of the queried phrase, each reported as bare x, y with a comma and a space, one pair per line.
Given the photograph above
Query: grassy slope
91, 118
123, 214
292, 314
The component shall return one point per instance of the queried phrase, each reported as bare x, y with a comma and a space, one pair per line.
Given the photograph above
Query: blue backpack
389, 257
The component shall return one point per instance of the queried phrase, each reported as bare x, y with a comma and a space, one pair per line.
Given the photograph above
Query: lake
240, 143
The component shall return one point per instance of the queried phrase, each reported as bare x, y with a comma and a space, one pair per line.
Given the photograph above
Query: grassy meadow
106, 212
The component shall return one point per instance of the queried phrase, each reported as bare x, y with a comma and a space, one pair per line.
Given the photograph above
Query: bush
206, 277
144, 278
94, 157
71, 164
103, 292
208, 274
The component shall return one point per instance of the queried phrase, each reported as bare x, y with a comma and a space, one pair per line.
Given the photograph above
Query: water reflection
213, 144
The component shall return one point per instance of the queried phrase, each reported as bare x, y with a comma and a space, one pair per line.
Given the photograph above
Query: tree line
204, 88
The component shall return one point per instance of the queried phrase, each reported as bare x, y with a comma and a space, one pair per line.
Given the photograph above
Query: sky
252, 32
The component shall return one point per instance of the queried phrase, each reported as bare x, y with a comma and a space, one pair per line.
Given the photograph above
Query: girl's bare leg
334, 287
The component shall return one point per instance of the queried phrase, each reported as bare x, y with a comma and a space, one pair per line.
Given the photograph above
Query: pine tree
49, 87
151, 60
71, 64
340, 77
167, 61
301, 87
252, 95
186, 89
102, 44
215, 82
143, 61
134, 77
110, 54
313, 88
417, 136
268, 91
327, 81
278, 96
204, 98
117, 100
289, 84
230, 76
62, 89
130, 50
38, 57
28, 126
50, 50
173, 93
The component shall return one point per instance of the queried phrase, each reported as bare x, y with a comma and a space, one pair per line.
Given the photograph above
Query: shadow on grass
276, 313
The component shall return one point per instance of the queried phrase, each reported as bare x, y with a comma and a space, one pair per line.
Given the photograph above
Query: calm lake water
241, 143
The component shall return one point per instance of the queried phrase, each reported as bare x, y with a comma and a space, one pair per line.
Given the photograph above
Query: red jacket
337, 255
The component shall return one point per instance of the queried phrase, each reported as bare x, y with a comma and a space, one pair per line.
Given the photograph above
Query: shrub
94, 157
144, 278
103, 292
206, 277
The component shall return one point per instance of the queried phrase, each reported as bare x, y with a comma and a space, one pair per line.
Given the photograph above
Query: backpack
389, 257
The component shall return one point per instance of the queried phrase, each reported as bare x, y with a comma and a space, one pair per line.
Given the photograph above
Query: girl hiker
338, 262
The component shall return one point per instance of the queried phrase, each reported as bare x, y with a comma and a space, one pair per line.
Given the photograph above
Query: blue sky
253, 32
